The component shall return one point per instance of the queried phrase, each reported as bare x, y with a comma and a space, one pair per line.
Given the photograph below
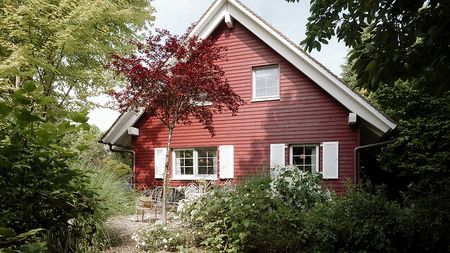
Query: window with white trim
304, 157
266, 83
197, 163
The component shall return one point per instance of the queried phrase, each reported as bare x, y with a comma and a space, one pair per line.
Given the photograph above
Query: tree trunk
18, 84
166, 181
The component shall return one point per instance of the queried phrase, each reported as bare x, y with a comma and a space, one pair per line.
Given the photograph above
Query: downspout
125, 150
355, 152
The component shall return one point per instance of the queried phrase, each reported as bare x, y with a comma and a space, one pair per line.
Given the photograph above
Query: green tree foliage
64, 45
49, 179
390, 40
52, 58
39, 190
420, 157
96, 155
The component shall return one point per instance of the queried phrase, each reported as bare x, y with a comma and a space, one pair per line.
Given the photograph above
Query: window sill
212, 177
264, 99
205, 103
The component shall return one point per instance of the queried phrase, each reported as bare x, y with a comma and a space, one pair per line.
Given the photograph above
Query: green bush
27, 242
298, 188
367, 221
41, 185
39, 188
260, 216
165, 238
88, 233
359, 222
291, 213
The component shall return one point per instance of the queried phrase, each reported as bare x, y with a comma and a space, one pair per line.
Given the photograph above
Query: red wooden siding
305, 114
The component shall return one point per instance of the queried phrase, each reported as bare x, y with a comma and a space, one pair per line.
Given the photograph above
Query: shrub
27, 242
88, 233
260, 216
359, 222
298, 188
291, 213
165, 238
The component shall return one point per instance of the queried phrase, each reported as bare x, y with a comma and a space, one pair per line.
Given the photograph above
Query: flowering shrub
165, 238
298, 188
264, 214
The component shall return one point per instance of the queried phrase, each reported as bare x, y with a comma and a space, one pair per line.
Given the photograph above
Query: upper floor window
266, 83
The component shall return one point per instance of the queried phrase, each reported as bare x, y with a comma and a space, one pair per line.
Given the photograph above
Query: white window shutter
330, 160
160, 162
277, 155
226, 162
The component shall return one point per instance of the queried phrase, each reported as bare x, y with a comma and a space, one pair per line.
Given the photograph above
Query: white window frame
195, 176
265, 98
201, 103
291, 153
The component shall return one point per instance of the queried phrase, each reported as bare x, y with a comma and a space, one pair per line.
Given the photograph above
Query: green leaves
7, 232
23, 243
29, 86
63, 45
5, 110
80, 117
401, 39
47, 100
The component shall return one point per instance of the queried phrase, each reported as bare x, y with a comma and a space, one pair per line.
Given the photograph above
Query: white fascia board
121, 126
214, 23
299, 59
205, 20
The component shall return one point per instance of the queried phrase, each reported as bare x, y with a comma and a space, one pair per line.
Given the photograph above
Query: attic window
202, 101
266, 83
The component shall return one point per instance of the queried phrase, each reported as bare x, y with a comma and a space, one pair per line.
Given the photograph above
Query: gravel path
120, 229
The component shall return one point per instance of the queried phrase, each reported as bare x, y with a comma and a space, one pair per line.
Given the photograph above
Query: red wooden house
295, 112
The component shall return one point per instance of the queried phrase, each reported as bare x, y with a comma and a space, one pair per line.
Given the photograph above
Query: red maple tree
175, 79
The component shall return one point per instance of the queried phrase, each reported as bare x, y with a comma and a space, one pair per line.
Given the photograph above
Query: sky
289, 18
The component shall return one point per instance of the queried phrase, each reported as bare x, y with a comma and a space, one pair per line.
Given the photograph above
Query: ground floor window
304, 157
195, 163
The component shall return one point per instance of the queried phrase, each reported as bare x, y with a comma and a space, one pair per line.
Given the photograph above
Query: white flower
165, 246
71, 221
164, 240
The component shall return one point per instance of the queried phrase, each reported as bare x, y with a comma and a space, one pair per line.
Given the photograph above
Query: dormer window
266, 83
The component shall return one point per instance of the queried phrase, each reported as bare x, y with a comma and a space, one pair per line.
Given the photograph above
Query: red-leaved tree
175, 79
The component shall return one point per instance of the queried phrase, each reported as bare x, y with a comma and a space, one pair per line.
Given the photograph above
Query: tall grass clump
116, 195
113, 197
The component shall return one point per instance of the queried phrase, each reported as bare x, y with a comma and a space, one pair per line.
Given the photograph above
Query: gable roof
228, 10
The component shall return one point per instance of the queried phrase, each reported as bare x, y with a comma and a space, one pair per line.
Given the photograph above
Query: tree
390, 40
175, 79
52, 58
63, 46
419, 159
39, 189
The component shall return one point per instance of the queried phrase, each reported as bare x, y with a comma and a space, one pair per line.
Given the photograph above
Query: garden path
120, 229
